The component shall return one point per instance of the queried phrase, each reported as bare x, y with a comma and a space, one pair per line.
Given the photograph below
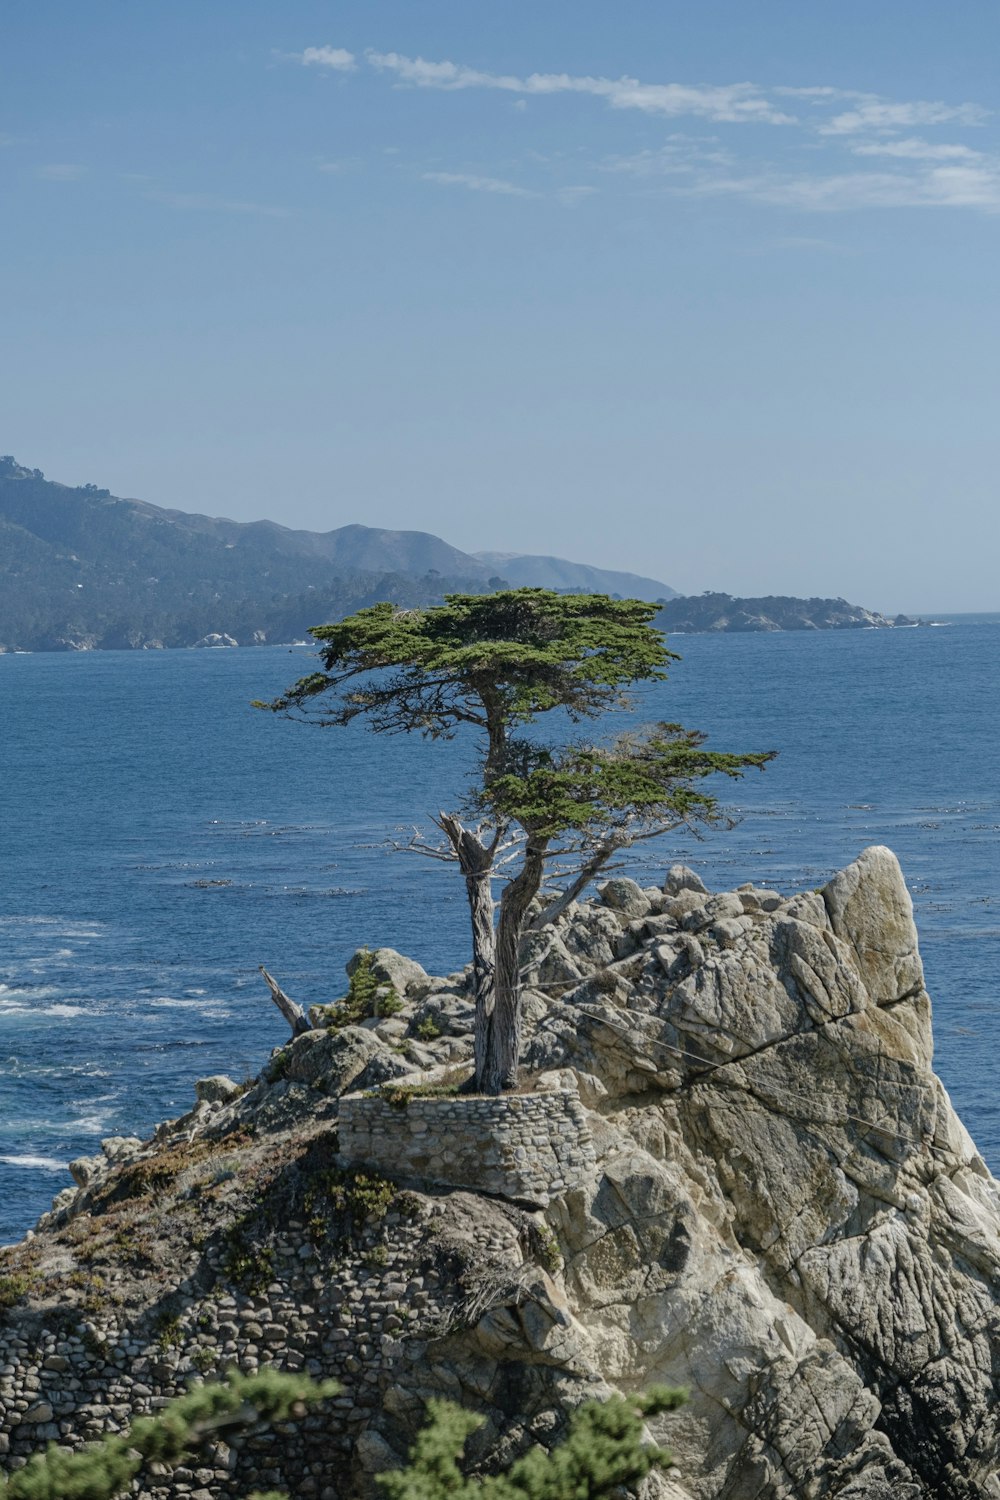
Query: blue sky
704, 291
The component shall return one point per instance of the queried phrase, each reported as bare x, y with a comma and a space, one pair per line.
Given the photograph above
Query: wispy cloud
914, 149
573, 194
818, 161
479, 184
935, 187
818, 93
724, 102
212, 203
62, 171
882, 115
336, 58
678, 154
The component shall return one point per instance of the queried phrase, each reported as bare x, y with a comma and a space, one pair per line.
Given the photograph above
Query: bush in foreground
602, 1452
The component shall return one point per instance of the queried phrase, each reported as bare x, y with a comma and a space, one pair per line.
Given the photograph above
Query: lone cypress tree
497, 662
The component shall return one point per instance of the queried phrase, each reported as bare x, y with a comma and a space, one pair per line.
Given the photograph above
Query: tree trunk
293, 1013
499, 1071
476, 863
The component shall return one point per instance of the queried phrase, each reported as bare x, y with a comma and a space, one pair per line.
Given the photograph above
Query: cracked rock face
784, 1215
791, 1219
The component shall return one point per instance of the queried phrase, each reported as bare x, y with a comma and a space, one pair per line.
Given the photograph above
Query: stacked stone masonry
341, 1312
528, 1148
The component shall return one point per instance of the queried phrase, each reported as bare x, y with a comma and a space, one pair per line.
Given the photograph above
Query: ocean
161, 838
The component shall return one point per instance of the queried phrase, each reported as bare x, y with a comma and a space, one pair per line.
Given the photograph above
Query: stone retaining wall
525, 1147
357, 1311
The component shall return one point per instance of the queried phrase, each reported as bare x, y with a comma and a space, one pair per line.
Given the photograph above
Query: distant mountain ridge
83, 569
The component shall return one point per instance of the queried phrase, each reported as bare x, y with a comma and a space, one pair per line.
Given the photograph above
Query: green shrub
277, 1068
107, 1468
366, 998
15, 1286
363, 1195
602, 1454
249, 1267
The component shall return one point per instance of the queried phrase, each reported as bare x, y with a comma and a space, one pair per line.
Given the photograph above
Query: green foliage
602, 1453
15, 1286
498, 661
367, 996
365, 1196
168, 1331
517, 653
362, 987
545, 1246
589, 789
428, 1030
278, 1067
104, 1470
249, 1267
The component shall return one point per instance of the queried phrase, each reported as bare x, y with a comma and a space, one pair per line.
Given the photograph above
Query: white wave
34, 1163
66, 926
92, 1124
61, 1011
24, 991
13, 921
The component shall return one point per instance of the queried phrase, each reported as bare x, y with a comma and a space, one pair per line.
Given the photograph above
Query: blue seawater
160, 839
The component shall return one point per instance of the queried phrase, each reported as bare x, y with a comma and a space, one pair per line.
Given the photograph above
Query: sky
705, 292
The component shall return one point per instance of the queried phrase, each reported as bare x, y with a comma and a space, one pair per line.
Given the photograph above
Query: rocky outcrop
723, 612
216, 638
777, 1208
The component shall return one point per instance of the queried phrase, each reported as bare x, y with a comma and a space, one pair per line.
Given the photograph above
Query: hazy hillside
81, 568
556, 573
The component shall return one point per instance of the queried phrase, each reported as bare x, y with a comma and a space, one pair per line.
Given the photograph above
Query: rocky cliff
754, 1185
